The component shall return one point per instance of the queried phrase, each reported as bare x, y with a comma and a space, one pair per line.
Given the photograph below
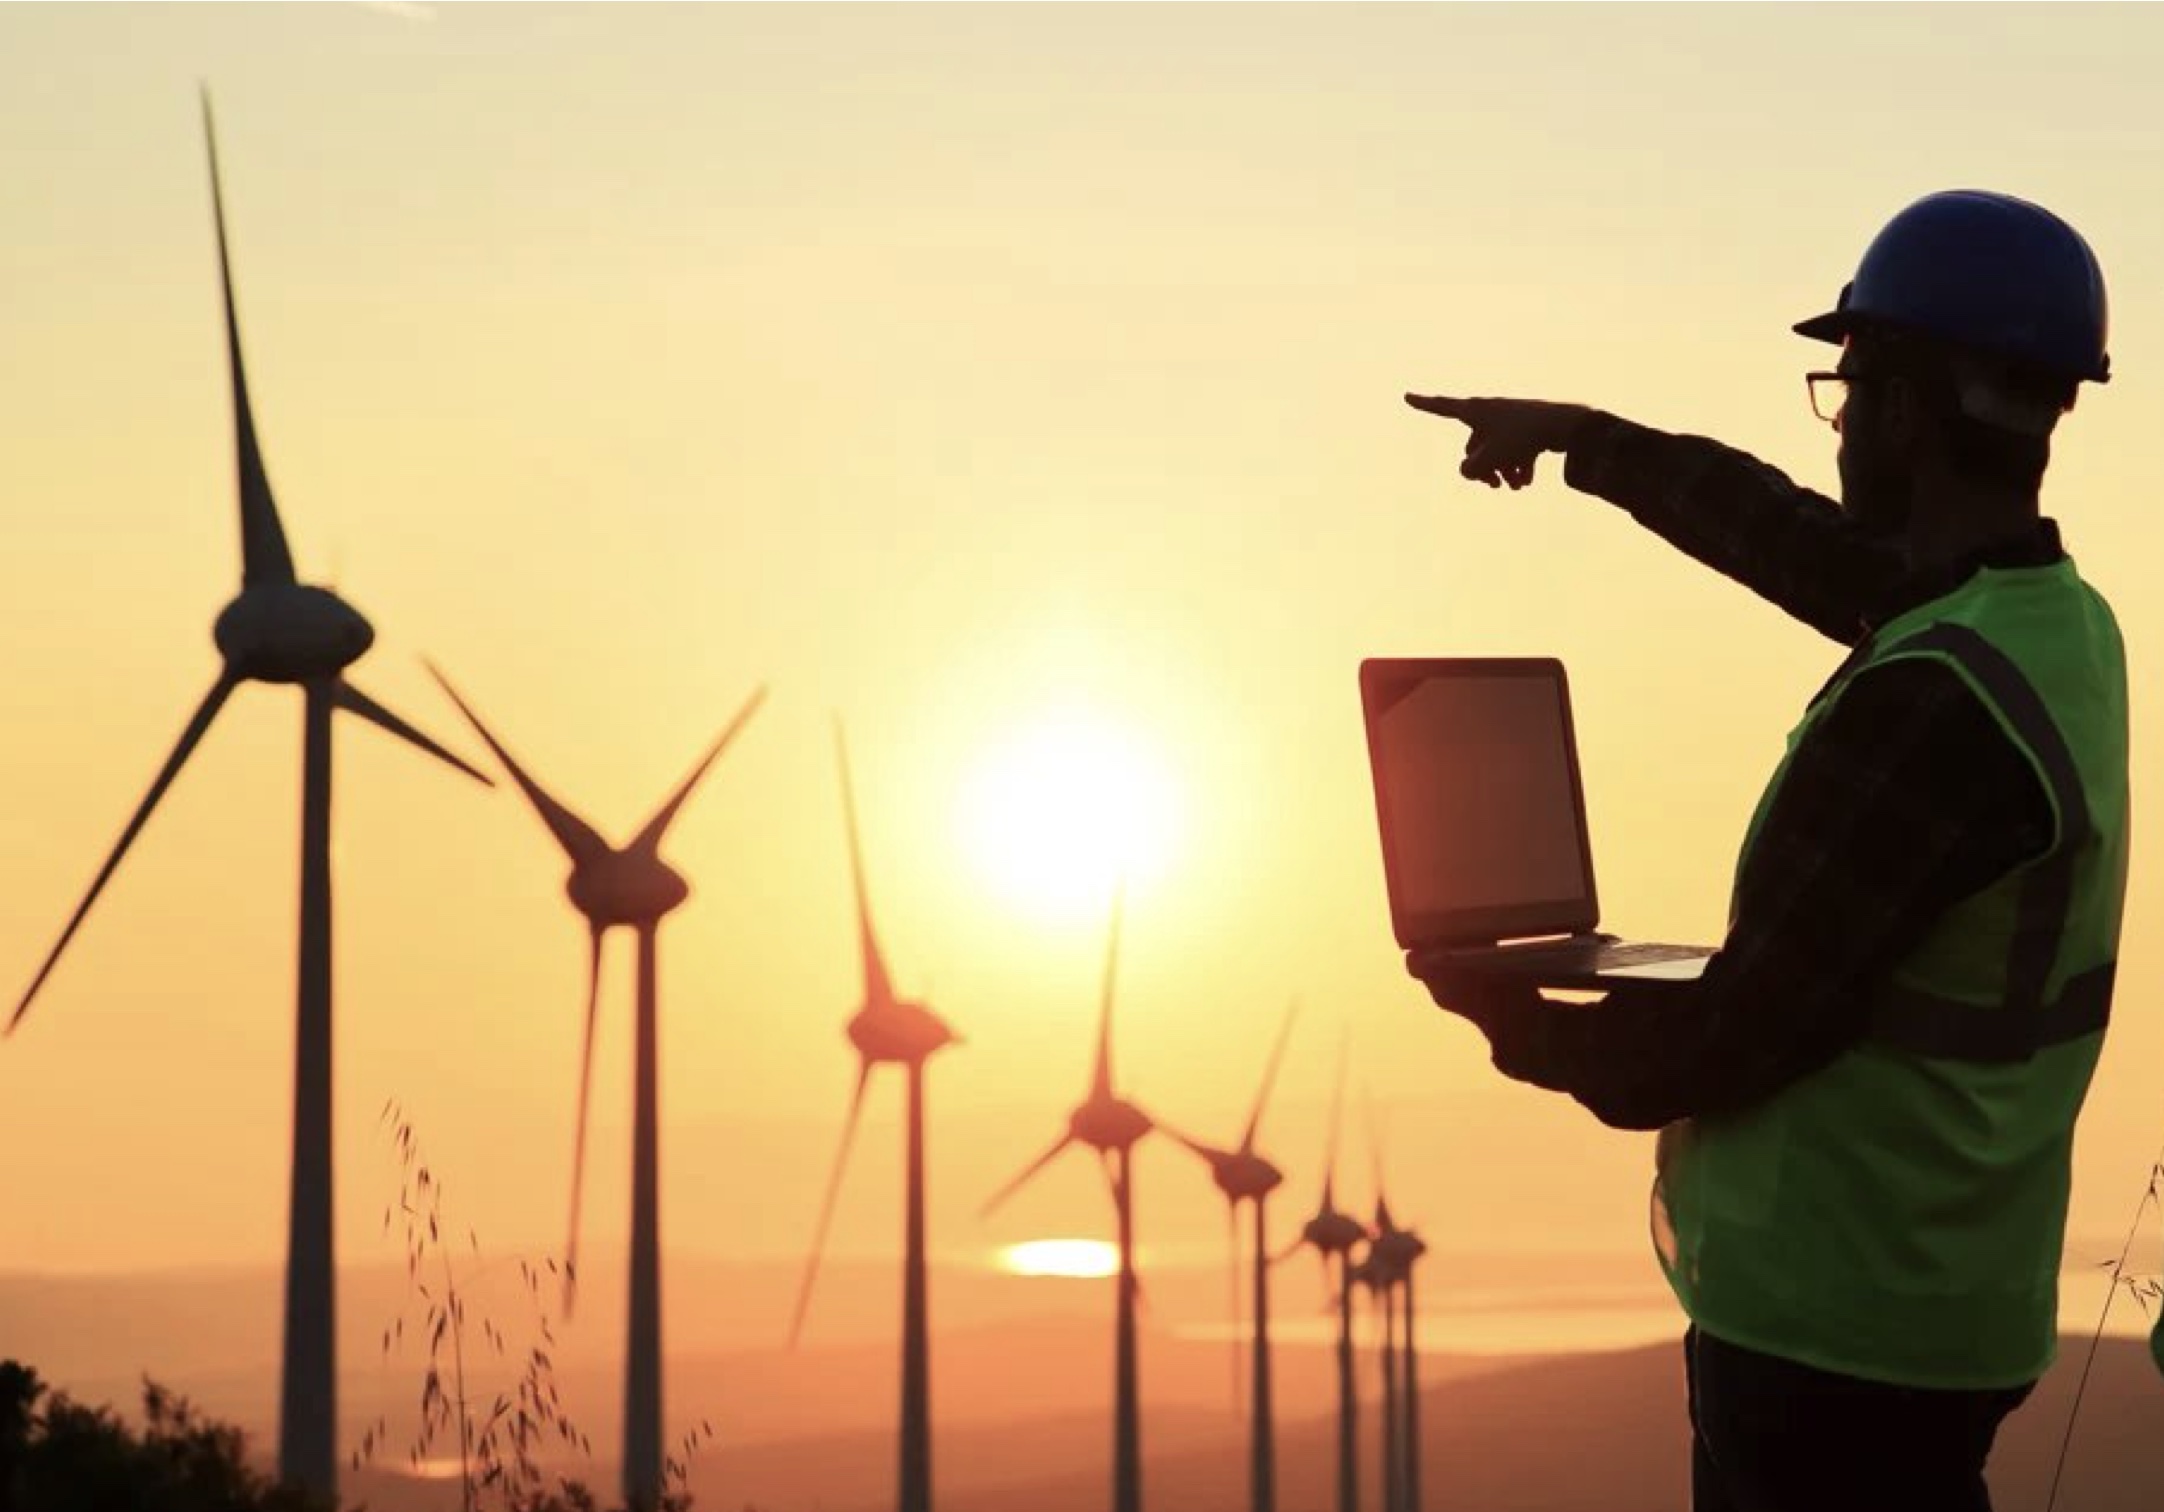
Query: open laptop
1485, 849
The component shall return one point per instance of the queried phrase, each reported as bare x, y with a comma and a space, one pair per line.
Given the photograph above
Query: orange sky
949, 369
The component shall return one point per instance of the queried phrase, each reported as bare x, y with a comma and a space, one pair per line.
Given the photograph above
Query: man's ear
1901, 410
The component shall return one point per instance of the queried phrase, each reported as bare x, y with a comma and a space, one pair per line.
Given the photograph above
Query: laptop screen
1478, 795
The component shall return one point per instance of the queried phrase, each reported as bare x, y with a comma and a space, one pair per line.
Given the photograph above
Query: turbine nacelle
1396, 1249
290, 633
1241, 1175
626, 887
899, 1033
1108, 1124
1333, 1232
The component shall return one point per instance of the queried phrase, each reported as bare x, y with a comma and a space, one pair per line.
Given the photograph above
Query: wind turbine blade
578, 1142
1101, 1078
354, 701
265, 558
1375, 1149
877, 987
1208, 1152
1337, 1116
1022, 1180
189, 738
578, 838
826, 1205
649, 839
1269, 1077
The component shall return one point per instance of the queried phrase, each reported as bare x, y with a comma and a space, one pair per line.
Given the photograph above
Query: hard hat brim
1834, 326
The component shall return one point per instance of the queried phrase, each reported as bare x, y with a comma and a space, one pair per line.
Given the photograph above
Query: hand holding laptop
1487, 859
1481, 998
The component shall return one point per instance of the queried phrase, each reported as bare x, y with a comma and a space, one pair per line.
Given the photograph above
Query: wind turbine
630, 886
280, 630
1374, 1272
1335, 1234
1112, 1126
887, 1029
1244, 1176
1391, 1256
1392, 1253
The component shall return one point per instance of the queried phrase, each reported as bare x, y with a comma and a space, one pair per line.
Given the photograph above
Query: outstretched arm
1742, 517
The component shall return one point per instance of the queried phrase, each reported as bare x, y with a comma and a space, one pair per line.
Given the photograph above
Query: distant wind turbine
1244, 1176
630, 886
886, 1029
1334, 1234
1392, 1254
280, 630
1112, 1126
1373, 1272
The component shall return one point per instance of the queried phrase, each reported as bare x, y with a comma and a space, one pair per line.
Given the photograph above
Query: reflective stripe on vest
1924, 1023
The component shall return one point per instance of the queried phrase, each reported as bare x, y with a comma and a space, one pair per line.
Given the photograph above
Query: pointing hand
1505, 435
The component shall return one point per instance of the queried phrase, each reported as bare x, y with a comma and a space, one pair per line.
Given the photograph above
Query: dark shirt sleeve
1742, 517
1905, 798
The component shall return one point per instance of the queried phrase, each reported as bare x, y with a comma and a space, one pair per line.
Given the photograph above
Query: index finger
1438, 404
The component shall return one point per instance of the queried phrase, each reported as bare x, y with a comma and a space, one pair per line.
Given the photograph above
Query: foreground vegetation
57, 1455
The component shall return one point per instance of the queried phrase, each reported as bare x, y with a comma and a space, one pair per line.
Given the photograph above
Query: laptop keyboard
1643, 953
1585, 953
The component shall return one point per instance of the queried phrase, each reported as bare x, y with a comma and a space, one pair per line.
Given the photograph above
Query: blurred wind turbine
1112, 1126
887, 1029
280, 630
634, 887
1392, 1254
1335, 1234
1244, 1176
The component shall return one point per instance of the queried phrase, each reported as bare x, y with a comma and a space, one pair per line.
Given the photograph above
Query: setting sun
1064, 808
1076, 1258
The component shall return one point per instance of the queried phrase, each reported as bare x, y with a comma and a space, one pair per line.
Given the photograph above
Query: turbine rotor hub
1107, 1126
898, 1033
291, 633
1247, 1178
626, 889
1334, 1232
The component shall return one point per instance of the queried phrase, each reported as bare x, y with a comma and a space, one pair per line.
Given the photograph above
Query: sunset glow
1055, 814
1073, 1258
1015, 393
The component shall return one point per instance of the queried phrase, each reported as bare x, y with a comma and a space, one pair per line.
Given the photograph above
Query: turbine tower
1375, 1274
887, 1029
280, 630
1395, 1252
1112, 1126
630, 886
1244, 1176
1392, 1253
1334, 1234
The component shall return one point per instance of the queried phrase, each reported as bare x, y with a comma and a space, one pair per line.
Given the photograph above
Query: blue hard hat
1984, 271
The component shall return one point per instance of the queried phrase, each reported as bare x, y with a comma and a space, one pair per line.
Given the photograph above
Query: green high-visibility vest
1899, 1215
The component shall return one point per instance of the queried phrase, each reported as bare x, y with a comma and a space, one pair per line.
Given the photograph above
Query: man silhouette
1867, 1103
